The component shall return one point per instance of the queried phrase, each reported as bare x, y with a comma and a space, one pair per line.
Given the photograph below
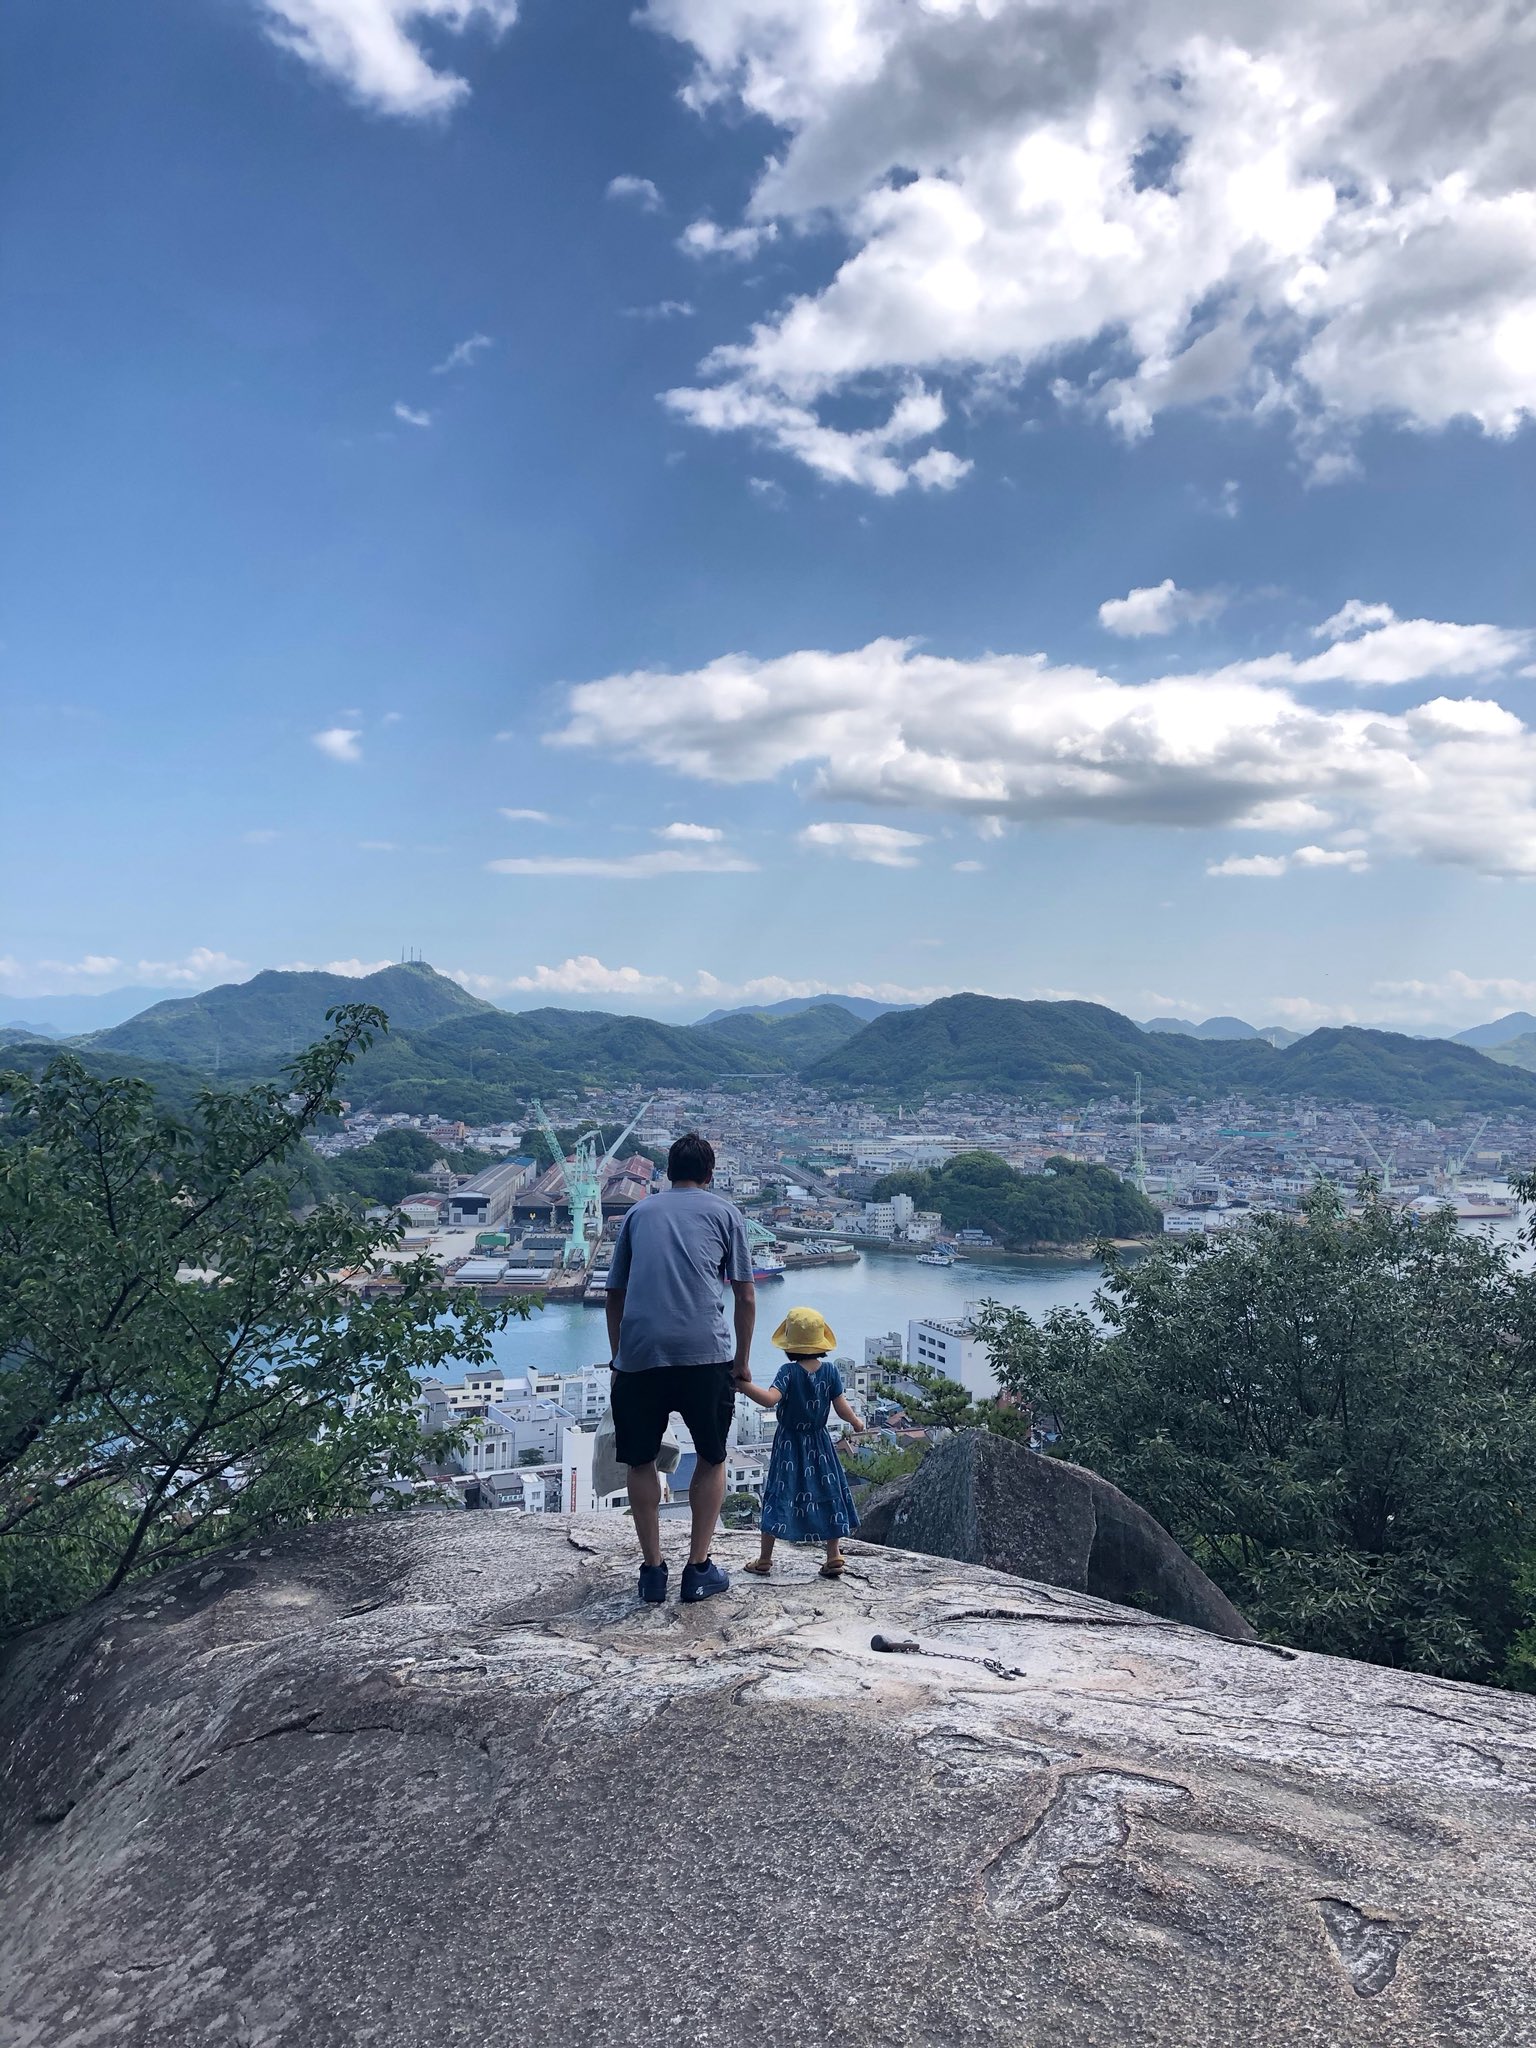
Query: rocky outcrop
985, 1500
393, 1783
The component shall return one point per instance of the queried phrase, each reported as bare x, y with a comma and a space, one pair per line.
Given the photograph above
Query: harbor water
884, 1291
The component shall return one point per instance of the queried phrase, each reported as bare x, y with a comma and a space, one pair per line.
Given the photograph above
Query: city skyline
744, 501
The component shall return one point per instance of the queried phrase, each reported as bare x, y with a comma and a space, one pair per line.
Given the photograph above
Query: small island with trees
1070, 1203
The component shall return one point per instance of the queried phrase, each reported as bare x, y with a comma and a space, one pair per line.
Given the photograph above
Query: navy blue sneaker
653, 1583
702, 1580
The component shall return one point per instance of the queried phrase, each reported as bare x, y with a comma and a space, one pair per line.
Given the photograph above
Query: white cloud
1157, 609
1268, 865
527, 817
340, 742
1019, 737
1353, 616
774, 988
707, 238
1465, 997
968, 867
707, 835
664, 309
378, 846
887, 846
354, 969
640, 190
585, 975
858, 456
633, 867
367, 45
200, 968
1271, 865
262, 835
411, 417
462, 355
1318, 211
1393, 652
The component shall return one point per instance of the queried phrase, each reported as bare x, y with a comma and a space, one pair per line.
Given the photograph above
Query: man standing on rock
676, 1351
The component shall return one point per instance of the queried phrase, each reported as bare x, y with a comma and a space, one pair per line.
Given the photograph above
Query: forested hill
1070, 1203
791, 1039
485, 1065
1074, 1052
992, 1044
254, 1027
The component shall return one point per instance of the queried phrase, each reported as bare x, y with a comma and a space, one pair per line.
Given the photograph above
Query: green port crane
584, 1174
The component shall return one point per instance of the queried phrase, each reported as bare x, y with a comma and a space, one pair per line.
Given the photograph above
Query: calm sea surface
884, 1291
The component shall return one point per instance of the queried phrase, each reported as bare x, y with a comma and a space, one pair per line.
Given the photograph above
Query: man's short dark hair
691, 1158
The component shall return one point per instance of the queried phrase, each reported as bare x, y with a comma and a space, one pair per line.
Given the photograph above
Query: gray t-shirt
673, 1256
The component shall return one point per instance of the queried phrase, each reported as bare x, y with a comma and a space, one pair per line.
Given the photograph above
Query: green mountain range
450, 1053
1072, 1052
253, 1027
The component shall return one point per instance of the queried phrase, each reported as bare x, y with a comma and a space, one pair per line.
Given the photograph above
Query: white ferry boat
937, 1258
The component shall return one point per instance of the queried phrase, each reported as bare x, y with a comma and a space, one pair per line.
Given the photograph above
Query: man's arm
745, 1292
613, 1307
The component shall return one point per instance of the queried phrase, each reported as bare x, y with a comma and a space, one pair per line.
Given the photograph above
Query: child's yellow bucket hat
803, 1329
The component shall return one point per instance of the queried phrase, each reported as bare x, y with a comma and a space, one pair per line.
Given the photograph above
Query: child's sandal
759, 1567
831, 1569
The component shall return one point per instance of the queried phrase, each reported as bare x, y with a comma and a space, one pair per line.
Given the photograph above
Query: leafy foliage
1070, 1203
1335, 1415
878, 1464
392, 1164
180, 1364
932, 1400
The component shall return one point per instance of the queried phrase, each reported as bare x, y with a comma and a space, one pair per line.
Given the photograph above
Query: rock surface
985, 1500
440, 1780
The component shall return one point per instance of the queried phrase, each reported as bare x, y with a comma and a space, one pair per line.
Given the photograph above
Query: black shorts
644, 1402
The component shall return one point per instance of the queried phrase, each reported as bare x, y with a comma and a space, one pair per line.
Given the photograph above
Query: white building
953, 1349
745, 1472
888, 1347
560, 1486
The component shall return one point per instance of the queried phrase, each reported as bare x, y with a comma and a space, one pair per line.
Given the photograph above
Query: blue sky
350, 511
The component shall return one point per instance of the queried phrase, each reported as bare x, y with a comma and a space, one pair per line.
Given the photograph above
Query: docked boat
595, 1293
766, 1267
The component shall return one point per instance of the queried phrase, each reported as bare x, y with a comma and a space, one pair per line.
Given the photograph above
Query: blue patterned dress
805, 1496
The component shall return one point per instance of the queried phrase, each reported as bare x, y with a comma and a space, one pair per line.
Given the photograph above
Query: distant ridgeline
451, 1054
1070, 1203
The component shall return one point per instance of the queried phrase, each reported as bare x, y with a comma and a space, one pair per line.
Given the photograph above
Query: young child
805, 1497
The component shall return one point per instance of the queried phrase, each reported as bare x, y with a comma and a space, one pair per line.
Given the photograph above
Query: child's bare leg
833, 1568
762, 1564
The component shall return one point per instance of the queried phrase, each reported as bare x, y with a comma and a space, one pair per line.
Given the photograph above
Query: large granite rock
439, 1780
985, 1500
